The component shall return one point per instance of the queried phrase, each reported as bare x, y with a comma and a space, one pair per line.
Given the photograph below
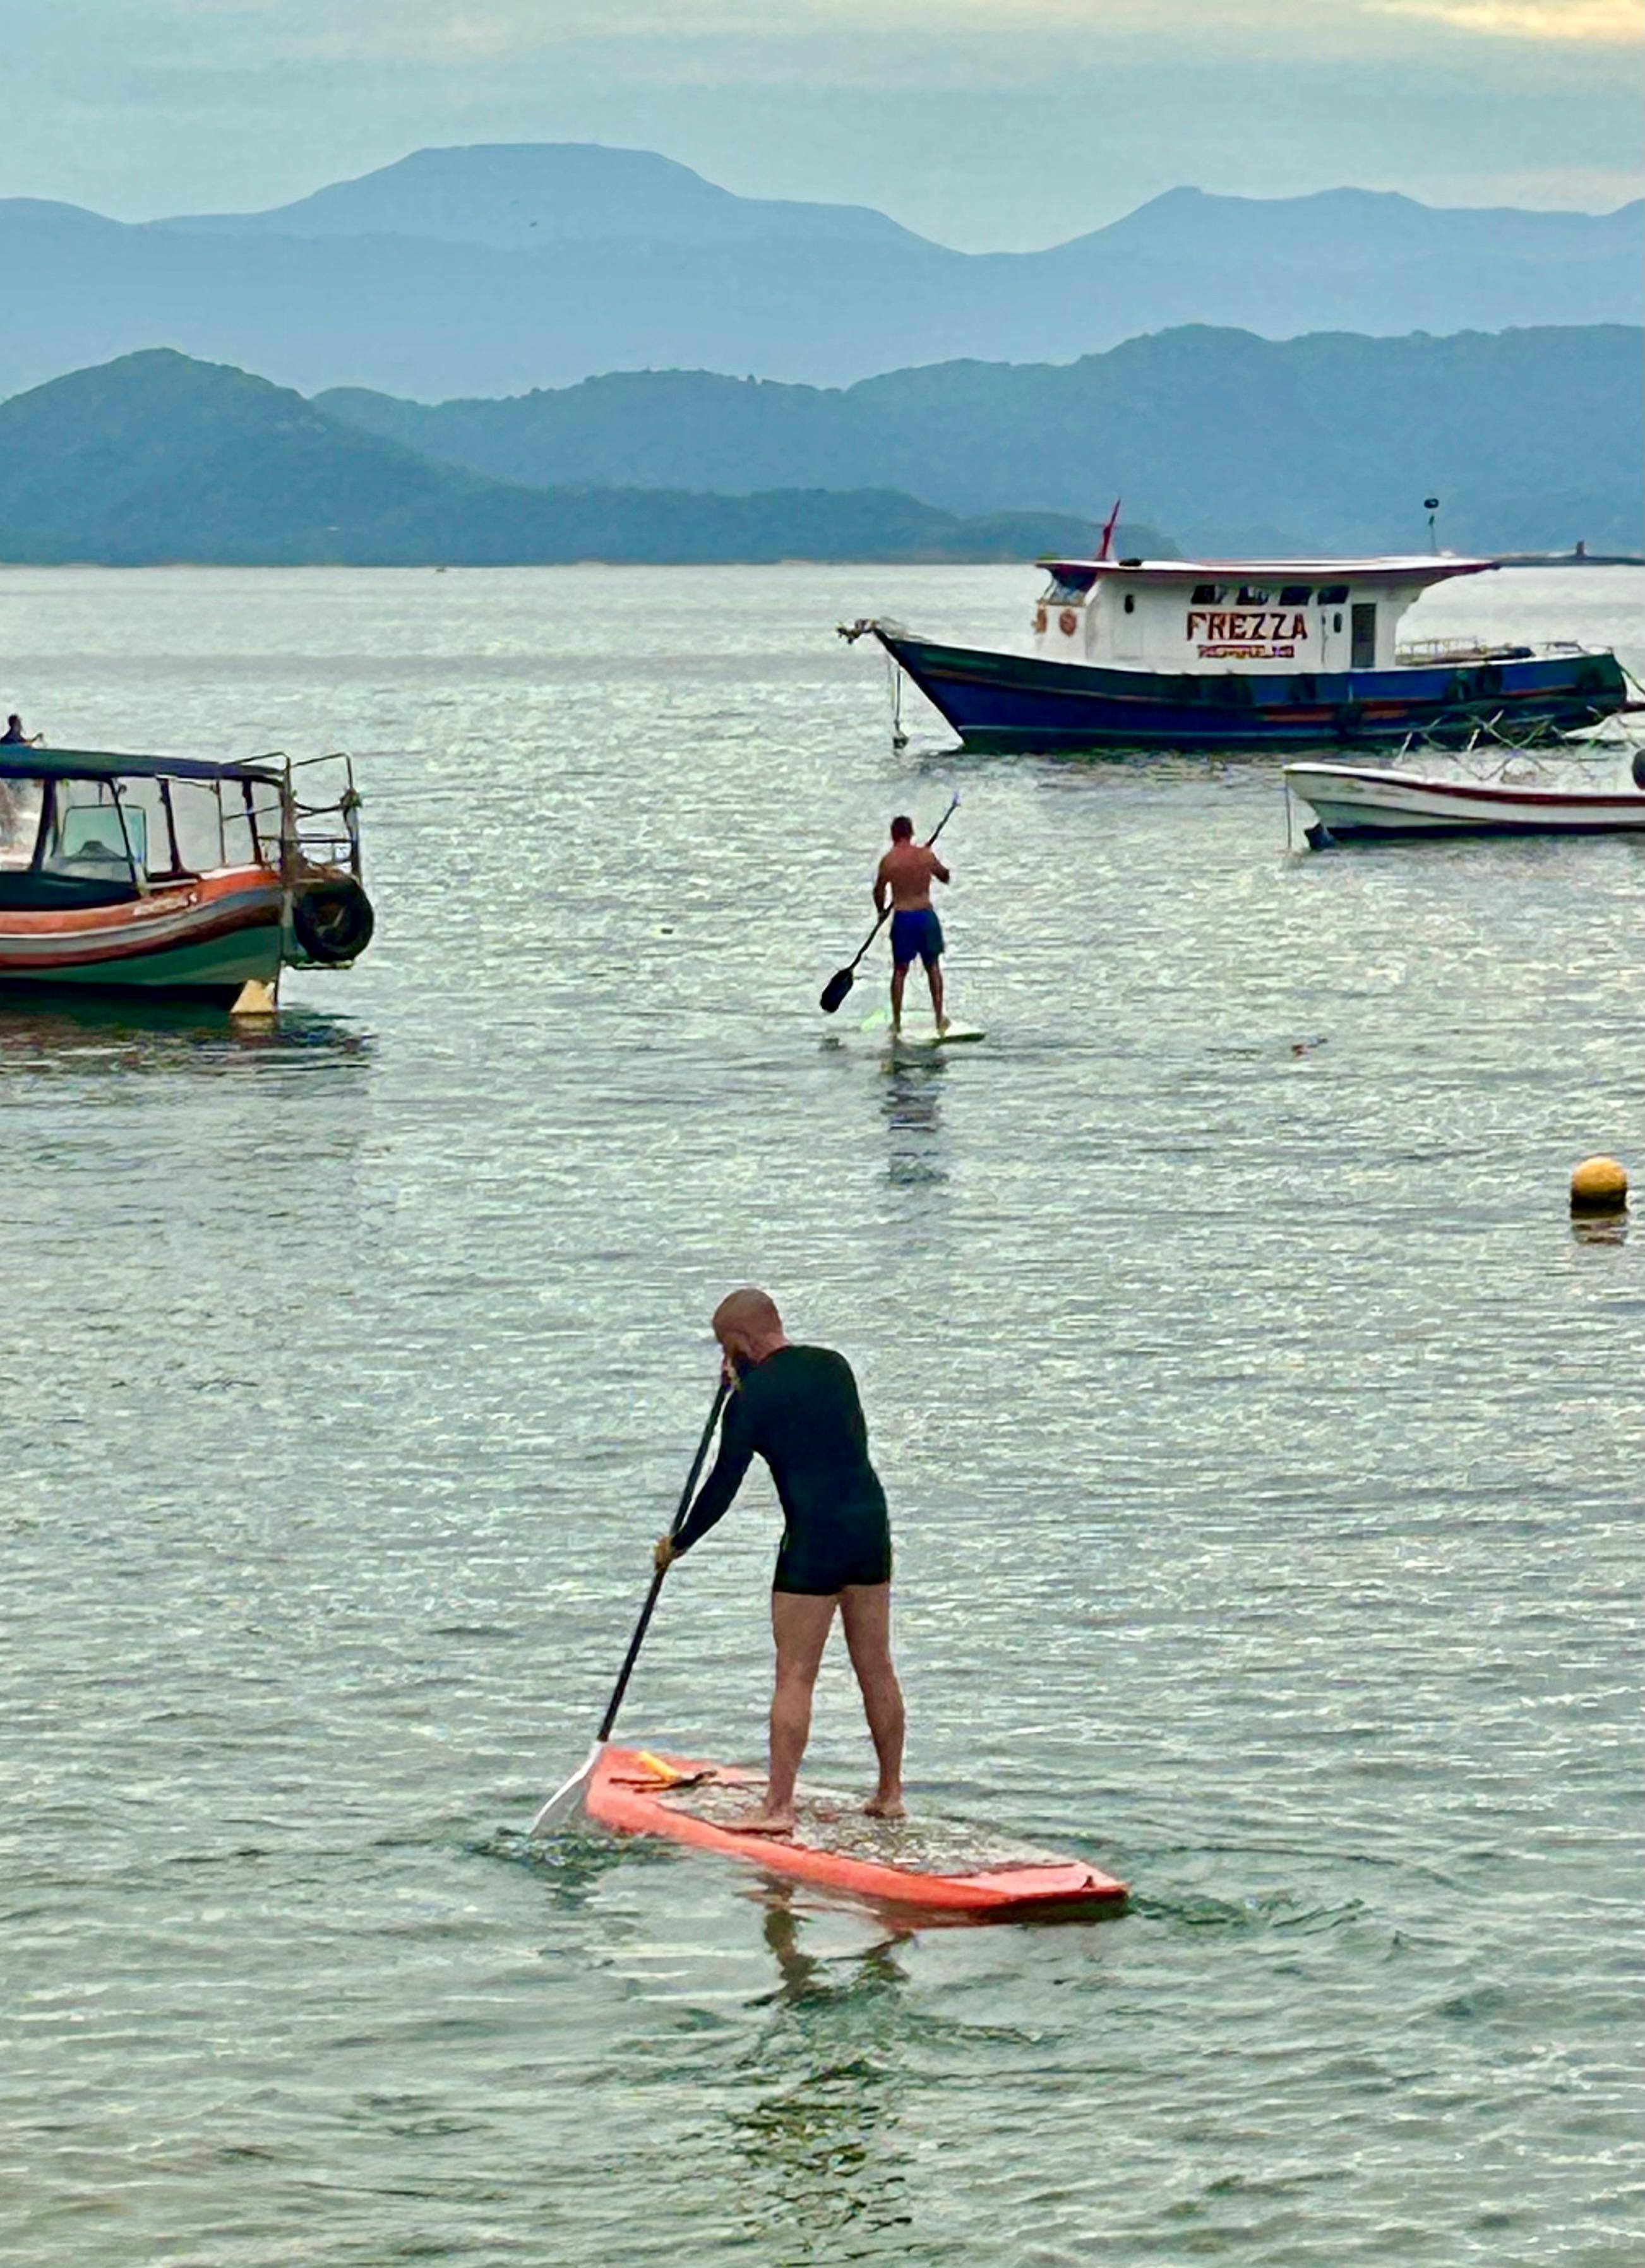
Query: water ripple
1264, 1452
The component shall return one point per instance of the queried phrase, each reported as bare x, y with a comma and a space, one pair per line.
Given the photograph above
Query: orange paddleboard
938, 1866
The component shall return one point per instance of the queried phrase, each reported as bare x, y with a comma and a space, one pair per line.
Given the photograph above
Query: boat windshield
93, 835
21, 802
136, 829
1067, 586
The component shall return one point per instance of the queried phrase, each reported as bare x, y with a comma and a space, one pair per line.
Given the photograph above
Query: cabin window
1208, 595
1333, 594
240, 847
1131, 602
1295, 594
1335, 621
20, 804
1253, 595
199, 829
92, 836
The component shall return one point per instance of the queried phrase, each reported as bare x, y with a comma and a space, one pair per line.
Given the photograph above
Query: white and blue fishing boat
1248, 653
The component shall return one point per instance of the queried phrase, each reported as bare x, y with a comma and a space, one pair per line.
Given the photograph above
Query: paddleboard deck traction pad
878, 1024
938, 1866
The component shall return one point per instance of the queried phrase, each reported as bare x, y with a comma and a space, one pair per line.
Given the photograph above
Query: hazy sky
984, 123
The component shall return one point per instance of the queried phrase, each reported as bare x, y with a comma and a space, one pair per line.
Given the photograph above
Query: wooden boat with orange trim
174, 878
941, 1868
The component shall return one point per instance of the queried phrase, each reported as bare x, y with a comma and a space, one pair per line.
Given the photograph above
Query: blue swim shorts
916, 936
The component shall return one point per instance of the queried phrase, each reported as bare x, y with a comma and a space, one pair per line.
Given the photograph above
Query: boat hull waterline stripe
1002, 701
206, 938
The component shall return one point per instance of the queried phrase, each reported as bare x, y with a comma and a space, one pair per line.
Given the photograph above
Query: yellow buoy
1599, 1185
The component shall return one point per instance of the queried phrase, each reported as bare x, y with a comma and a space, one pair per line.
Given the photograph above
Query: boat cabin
164, 846
85, 829
1263, 616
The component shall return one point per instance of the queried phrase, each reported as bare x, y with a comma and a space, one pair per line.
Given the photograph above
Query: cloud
1567, 22
986, 124
929, 42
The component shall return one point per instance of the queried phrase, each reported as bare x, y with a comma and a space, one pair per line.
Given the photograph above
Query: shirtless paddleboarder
796, 1407
906, 875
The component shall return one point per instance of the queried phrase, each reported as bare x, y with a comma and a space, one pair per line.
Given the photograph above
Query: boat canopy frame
20, 761
281, 833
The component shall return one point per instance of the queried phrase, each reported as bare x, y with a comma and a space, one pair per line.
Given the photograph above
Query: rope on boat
1493, 741
893, 676
894, 673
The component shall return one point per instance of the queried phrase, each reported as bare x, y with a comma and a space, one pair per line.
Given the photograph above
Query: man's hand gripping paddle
841, 981
566, 1799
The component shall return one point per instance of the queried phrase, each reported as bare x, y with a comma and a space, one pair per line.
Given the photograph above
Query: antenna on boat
1108, 526
1430, 504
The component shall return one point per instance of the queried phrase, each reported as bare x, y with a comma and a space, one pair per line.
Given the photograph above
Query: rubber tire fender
332, 919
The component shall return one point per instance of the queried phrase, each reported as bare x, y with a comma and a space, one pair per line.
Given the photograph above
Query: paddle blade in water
835, 990
567, 1800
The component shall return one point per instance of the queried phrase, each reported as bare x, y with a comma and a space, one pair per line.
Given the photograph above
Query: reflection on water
118, 1036
825, 2167
803, 1976
1265, 1453
1602, 1229
910, 1103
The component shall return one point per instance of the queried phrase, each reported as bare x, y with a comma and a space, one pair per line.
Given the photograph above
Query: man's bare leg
934, 977
800, 1624
899, 977
864, 1609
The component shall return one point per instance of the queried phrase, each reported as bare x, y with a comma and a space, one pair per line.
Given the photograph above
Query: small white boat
1354, 803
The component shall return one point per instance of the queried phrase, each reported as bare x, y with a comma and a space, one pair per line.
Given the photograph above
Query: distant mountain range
1532, 439
490, 271
155, 458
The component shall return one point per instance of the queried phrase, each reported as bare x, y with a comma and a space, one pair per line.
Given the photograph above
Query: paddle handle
675, 1526
886, 916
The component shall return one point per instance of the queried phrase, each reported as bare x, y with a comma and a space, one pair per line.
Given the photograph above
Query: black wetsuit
798, 1410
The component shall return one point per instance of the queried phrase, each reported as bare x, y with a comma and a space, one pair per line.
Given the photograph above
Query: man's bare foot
762, 1822
885, 1807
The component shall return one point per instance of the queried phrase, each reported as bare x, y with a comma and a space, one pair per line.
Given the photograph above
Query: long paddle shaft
566, 1799
841, 981
650, 1606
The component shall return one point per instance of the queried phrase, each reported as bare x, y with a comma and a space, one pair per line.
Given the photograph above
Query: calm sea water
1265, 1450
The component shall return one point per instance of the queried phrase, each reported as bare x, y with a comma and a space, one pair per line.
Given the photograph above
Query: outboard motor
332, 920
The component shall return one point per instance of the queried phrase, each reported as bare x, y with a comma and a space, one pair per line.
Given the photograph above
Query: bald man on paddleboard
798, 1407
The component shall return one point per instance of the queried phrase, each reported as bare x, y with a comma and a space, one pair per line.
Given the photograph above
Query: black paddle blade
835, 990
